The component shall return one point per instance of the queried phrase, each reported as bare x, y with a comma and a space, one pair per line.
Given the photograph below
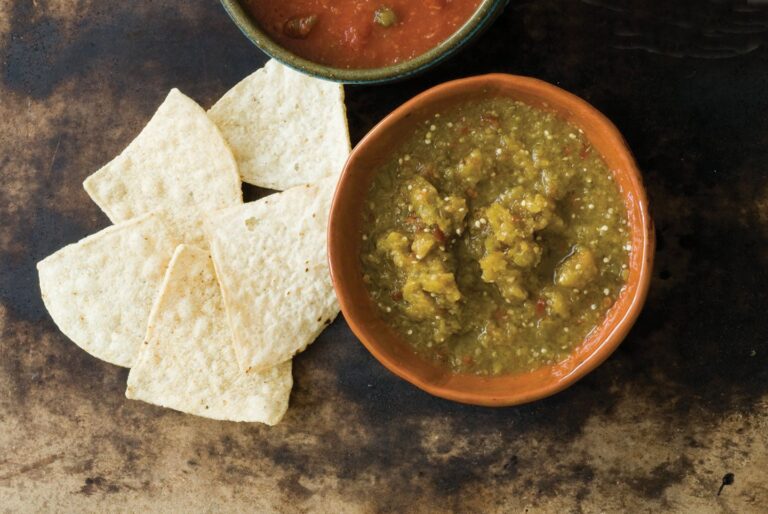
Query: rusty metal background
683, 402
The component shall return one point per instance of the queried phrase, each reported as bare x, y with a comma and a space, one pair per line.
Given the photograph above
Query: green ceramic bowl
483, 17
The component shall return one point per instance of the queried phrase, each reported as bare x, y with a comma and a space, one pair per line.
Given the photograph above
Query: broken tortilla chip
271, 260
285, 128
187, 361
179, 163
99, 291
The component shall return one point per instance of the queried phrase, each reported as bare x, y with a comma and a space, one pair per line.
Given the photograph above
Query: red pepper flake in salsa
439, 235
360, 33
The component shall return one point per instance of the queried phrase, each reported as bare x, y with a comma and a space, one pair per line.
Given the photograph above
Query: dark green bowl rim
485, 13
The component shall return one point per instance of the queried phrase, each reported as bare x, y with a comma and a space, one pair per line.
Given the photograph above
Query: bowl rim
613, 333
486, 11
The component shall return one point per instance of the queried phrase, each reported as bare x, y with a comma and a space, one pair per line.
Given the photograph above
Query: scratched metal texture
682, 402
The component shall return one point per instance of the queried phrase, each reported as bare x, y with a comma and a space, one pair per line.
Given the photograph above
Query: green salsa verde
495, 238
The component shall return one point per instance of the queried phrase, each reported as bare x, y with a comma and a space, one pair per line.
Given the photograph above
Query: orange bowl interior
344, 244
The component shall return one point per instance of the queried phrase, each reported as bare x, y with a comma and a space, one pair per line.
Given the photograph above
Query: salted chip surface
188, 362
179, 162
99, 291
285, 128
271, 260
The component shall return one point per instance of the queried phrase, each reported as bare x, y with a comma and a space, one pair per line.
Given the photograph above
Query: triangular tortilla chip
179, 163
285, 128
271, 260
188, 363
100, 290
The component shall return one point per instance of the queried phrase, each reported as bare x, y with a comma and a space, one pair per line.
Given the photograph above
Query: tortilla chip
285, 128
179, 163
187, 361
270, 257
100, 290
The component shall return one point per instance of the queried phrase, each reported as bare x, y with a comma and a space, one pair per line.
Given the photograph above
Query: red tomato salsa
360, 33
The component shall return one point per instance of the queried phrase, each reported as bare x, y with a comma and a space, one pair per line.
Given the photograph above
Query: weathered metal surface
683, 402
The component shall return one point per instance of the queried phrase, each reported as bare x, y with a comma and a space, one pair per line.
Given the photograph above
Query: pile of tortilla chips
205, 298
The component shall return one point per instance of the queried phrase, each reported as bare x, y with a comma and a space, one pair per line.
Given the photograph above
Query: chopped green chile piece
495, 238
299, 27
385, 16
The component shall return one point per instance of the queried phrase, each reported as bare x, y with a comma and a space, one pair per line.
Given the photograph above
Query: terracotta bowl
344, 241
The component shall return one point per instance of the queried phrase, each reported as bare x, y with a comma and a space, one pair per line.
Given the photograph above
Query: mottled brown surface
683, 401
